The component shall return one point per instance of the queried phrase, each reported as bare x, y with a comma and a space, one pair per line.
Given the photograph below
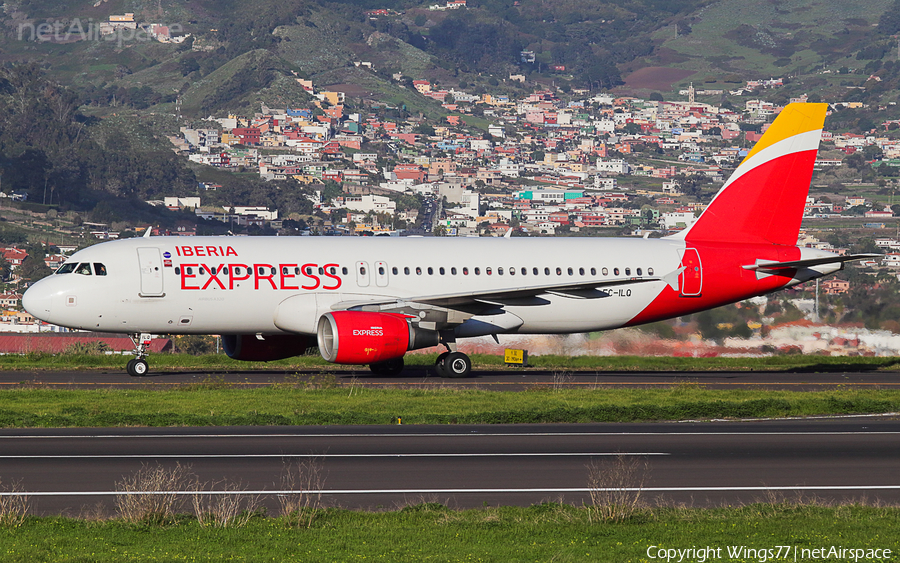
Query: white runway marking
319, 456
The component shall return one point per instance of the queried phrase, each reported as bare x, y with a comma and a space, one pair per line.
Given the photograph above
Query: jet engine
263, 348
362, 337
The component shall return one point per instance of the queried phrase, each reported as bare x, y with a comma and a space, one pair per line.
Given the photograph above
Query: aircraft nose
37, 300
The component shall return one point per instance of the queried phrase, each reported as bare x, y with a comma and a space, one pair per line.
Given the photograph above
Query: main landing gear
452, 363
138, 367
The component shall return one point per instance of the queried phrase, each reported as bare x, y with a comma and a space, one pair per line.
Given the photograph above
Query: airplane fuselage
247, 285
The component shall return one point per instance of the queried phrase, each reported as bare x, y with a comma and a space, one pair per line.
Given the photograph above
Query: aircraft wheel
457, 364
137, 367
389, 367
439, 365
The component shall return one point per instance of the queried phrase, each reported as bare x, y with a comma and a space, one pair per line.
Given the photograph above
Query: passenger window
453, 271
639, 271
499, 271
649, 271
344, 270
202, 270
487, 271
570, 271
430, 271
546, 271
321, 271
593, 271
273, 271
441, 270
190, 271
465, 271
418, 271
380, 270
559, 271
580, 271
309, 270
627, 271
534, 271
605, 272
394, 270
333, 270
297, 271
524, 271
284, 271
237, 270
477, 272
66, 268
362, 270
83, 269
225, 270
406, 271
615, 271
99, 269
512, 271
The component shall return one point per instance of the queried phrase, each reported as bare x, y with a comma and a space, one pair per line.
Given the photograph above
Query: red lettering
199, 251
213, 276
230, 252
332, 276
178, 250
212, 251
286, 274
188, 251
234, 276
259, 273
185, 275
307, 270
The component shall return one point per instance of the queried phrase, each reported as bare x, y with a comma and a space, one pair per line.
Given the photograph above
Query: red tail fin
763, 200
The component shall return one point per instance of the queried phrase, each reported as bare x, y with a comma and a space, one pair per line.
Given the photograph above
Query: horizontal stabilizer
794, 264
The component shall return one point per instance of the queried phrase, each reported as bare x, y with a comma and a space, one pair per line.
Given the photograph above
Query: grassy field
324, 402
430, 532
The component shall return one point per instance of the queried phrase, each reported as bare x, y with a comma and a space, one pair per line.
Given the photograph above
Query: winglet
148, 232
763, 200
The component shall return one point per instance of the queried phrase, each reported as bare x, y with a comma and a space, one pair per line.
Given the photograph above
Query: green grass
324, 402
429, 532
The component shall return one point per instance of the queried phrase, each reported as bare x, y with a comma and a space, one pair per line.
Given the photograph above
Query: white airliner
370, 300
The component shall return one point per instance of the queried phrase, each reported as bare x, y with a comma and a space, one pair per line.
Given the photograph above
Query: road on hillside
75, 471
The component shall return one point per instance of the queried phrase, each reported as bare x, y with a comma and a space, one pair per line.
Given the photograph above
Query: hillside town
544, 167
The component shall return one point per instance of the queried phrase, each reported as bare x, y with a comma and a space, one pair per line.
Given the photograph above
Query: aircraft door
151, 272
691, 279
362, 274
381, 274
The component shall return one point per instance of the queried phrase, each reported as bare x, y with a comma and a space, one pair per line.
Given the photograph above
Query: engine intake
362, 337
253, 348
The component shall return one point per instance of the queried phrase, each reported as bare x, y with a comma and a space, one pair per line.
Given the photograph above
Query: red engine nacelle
253, 348
361, 337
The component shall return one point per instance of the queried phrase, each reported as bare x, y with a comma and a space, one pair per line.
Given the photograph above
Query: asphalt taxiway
696, 463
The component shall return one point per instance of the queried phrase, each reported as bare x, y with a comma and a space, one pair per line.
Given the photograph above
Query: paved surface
466, 466
510, 379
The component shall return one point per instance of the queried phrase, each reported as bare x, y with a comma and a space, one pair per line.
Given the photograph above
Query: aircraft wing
509, 296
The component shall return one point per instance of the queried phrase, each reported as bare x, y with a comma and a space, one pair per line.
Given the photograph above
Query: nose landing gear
138, 367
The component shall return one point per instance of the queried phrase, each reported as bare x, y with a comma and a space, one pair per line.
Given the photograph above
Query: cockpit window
99, 269
67, 268
84, 269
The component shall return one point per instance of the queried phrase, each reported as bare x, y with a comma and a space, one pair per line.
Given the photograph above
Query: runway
500, 379
72, 470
